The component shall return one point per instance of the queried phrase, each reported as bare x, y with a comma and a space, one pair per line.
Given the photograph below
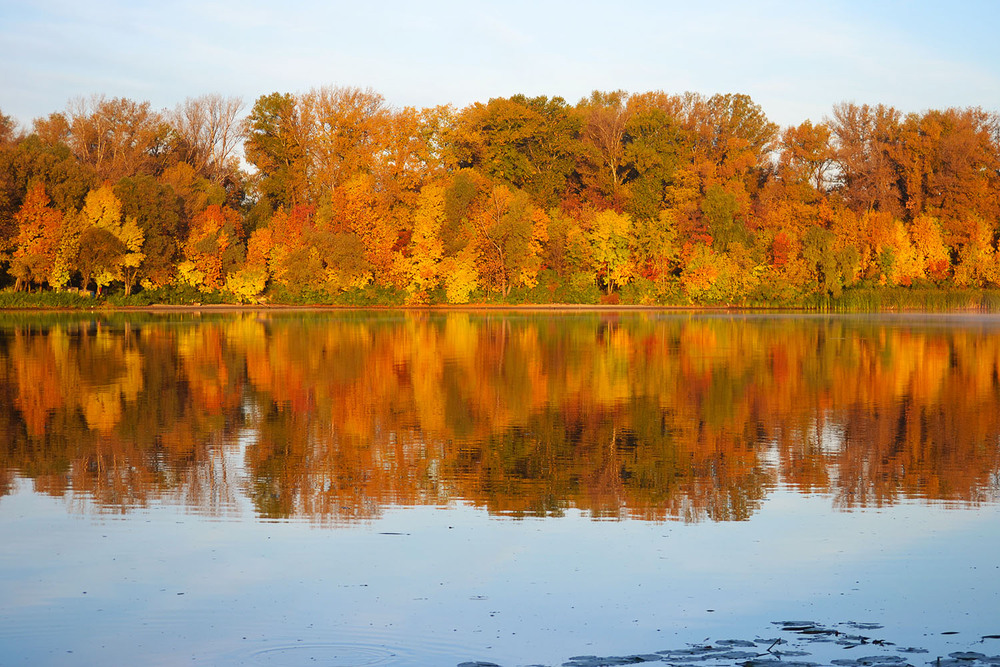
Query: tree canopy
644, 197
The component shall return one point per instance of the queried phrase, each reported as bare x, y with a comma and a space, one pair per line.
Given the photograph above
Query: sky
795, 59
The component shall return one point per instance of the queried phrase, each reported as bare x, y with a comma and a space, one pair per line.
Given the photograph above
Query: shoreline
543, 307
480, 308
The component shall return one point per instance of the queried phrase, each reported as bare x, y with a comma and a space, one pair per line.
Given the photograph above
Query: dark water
390, 488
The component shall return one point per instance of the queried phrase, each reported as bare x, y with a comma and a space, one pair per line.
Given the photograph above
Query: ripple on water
334, 654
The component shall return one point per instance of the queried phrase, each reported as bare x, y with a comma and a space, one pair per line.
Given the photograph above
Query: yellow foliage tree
426, 249
908, 263
609, 237
928, 241
111, 244
461, 277
977, 259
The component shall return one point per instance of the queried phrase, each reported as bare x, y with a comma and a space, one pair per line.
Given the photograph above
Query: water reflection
335, 417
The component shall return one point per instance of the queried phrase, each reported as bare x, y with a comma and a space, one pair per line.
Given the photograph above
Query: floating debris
796, 626
881, 660
736, 655
595, 661
696, 652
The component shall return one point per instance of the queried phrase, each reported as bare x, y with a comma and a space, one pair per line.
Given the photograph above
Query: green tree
158, 211
653, 151
274, 145
719, 209
505, 234
528, 143
832, 268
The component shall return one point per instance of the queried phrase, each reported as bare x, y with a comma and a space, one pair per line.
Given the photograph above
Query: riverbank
877, 299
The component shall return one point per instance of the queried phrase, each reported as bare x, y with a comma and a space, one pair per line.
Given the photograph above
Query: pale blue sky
795, 59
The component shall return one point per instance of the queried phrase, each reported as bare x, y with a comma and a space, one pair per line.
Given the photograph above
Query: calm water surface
432, 489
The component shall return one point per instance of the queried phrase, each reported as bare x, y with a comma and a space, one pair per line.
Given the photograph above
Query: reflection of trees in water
617, 415
112, 414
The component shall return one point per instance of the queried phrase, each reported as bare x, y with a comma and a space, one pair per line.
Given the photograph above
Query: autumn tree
655, 246
344, 129
426, 250
950, 168
806, 157
508, 239
736, 134
31, 160
304, 253
603, 120
208, 131
8, 129
52, 129
866, 148
609, 238
409, 155
213, 249
110, 243
977, 259
39, 233
118, 137
928, 242
196, 192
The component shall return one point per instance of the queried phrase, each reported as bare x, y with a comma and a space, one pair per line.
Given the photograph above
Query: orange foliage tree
39, 233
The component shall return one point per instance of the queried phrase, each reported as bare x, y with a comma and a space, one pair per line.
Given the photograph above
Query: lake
520, 488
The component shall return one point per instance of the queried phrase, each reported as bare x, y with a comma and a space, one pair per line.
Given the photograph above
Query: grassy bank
857, 300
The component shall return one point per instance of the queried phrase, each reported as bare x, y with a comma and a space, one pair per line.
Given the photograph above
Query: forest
334, 196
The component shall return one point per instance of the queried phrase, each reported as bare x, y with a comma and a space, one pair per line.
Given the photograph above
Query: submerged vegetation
335, 197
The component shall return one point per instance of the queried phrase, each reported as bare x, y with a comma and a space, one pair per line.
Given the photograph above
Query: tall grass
881, 299
14, 300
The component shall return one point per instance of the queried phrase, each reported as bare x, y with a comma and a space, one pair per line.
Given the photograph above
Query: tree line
334, 196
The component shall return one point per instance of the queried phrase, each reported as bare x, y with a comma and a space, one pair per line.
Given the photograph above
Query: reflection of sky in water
168, 586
